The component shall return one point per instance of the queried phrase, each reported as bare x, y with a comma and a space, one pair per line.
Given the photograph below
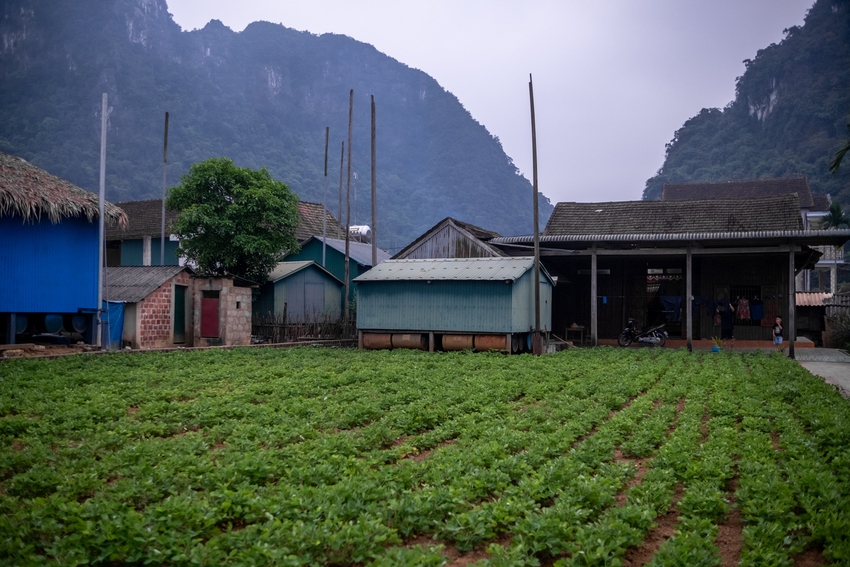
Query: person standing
777, 332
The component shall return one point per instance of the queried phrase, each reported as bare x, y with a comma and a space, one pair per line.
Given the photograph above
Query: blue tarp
113, 314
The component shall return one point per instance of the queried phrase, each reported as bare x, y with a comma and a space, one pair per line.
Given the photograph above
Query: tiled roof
811, 298
661, 217
132, 284
145, 219
751, 189
820, 203
30, 192
311, 222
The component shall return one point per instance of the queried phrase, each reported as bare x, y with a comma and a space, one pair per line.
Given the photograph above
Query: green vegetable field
343, 457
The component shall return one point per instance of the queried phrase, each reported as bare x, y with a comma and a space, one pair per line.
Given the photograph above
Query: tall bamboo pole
374, 194
537, 340
341, 171
164, 169
100, 210
348, 210
325, 198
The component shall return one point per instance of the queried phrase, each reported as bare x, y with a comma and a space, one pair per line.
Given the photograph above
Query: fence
272, 328
838, 304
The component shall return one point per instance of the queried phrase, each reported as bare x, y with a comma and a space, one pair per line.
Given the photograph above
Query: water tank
361, 233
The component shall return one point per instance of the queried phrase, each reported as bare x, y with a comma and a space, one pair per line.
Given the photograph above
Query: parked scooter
655, 336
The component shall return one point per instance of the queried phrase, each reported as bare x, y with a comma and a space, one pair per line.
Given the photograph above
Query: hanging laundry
743, 309
672, 307
756, 309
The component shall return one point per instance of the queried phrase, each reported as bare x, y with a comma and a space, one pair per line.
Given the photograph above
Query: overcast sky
613, 80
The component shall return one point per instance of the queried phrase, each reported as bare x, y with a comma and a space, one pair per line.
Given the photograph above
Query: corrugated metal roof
800, 236
358, 251
286, 269
811, 298
132, 284
450, 269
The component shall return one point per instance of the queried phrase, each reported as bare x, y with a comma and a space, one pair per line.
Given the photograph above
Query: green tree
234, 220
835, 218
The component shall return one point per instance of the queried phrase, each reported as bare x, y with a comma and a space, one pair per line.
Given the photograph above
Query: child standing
777, 332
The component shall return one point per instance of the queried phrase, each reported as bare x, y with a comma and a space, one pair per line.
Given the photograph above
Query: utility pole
164, 168
100, 209
348, 211
537, 339
374, 194
324, 198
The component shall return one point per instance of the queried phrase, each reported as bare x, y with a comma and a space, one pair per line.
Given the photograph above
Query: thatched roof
30, 192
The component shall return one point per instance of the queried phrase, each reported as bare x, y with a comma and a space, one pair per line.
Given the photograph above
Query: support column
833, 277
10, 329
146, 251
790, 327
689, 300
594, 326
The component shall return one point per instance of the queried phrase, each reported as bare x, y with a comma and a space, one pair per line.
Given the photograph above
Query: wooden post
325, 199
11, 328
101, 206
689, 300
164, 183
360, 340
341, 171
430, 341
536, 339
594, 324
348, 212
374, 193
790, 328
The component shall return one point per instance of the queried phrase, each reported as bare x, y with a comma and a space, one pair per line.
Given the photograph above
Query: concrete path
831, 364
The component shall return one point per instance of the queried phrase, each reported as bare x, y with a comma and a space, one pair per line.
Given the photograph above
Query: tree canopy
234, 220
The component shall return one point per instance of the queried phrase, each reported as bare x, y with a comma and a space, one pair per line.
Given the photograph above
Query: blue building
303, 291
48, 252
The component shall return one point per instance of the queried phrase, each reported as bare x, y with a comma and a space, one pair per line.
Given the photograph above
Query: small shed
158, 304
451, 303
49, 252
300, 292
222, 311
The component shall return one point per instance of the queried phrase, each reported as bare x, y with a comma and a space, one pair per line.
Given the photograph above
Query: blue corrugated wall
46, 267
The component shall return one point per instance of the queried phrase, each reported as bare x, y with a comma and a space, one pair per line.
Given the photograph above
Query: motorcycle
655, 336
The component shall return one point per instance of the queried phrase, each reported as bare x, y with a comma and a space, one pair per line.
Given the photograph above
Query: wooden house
812, 209
139, 243
451, 238
672, 261
299, 292
49, 252
451, 304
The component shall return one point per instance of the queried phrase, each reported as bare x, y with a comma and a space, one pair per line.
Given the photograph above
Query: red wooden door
209, 317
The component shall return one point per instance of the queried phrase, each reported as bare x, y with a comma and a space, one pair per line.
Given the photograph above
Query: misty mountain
789, 116
262, 97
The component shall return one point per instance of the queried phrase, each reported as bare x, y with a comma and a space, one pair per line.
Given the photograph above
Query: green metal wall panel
469, 306
334, 262
522, 303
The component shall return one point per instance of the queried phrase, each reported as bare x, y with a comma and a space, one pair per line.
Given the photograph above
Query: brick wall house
222, 311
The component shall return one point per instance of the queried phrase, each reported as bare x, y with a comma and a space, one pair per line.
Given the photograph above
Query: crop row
339, 457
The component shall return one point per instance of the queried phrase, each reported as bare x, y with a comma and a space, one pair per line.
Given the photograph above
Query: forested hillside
789, 115
262, 97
